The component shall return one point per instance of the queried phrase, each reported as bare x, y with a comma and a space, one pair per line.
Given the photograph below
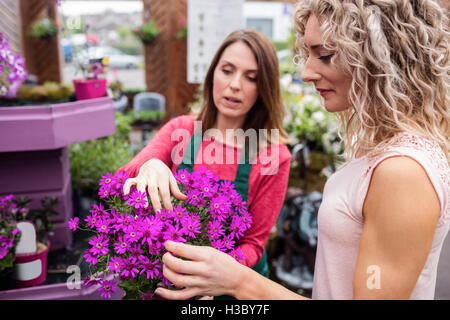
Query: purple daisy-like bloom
217, 244
103, 226
148, 229
107, 180
104, 192
220, 207
228, 242
247, 219
182, 176
237, 254
149, 267
173, 233
107, 287
122, 246
129, 268
114, 264
98, 209
214, 229
136, 251
180, 213
99, 245
92, 220
132, 235
194, 197
91, 257
191, 226
73, 223
237, 227
124, 222
137, 199
164, 215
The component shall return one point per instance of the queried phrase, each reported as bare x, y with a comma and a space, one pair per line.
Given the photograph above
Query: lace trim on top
435, 156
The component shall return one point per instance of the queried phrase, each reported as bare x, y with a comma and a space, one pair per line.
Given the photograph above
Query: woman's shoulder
183, 121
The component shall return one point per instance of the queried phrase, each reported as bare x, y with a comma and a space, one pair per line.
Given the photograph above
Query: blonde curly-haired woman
383, 67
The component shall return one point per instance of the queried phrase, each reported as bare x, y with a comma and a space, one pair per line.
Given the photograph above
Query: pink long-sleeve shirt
267, 182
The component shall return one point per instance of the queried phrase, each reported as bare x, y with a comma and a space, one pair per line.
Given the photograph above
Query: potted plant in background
24, 243
45, 28
181, 32
148, 32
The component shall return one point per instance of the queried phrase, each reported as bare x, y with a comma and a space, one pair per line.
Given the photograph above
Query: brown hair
268, 110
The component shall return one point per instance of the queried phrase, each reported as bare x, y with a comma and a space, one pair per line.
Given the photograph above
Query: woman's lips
324, 92
232, 102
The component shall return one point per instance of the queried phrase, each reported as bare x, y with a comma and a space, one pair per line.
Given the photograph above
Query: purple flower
191, 226
107, 287
220, 207
182, 176
147, 296
99, 245
180, 213
138, 199
228, 242
73, 224
122, 246
148, 229
237, 227
90, 257
149, 267
114, 264
92, 220
214, 229
237, 254
129, 268
103, 226
174, 234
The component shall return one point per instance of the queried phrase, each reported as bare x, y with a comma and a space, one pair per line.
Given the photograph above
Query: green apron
240, 182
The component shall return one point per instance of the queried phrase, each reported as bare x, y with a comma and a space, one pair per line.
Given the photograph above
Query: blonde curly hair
397, 54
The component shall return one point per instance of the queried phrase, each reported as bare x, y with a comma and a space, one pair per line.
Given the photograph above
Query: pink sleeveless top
340, 219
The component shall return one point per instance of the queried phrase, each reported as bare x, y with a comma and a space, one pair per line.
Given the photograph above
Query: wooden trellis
165, 58
43, 56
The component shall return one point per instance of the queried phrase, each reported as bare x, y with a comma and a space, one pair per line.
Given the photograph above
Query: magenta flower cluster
12, 70
9, 233
129, 236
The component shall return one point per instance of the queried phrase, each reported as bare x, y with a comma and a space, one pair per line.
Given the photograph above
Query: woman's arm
210, 272
401, 211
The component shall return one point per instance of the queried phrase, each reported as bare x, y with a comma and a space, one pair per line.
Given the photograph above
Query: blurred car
117, 59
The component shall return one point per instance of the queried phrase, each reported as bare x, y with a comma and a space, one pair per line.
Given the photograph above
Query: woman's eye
326, 58
252, 79
225, 71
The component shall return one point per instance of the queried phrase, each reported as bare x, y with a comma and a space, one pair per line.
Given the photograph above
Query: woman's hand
209, 272
155, 176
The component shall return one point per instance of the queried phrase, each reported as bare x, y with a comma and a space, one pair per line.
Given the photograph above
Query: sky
74, 8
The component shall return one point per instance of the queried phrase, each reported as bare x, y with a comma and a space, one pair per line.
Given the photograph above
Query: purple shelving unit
34, 155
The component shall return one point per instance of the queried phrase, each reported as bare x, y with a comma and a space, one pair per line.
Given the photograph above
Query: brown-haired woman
242, 102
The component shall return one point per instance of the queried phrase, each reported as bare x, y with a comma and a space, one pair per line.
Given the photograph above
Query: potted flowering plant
23, 256
129, 237
12, 70
9, 233
148, 32
44, 29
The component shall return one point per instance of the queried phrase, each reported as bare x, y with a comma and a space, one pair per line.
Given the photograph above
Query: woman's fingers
183, 294
175, 189
182, 266
195, 253
153, 193
165, 193
127, 185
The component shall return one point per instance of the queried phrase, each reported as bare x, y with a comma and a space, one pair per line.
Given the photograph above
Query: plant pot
31, 269
90, 89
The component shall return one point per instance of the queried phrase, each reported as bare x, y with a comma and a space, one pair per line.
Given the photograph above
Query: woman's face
234, 84
330, 80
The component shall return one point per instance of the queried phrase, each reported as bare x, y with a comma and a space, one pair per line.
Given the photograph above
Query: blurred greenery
90, 160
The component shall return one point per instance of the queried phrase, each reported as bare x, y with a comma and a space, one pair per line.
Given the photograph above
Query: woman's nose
235, 83
310, 73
